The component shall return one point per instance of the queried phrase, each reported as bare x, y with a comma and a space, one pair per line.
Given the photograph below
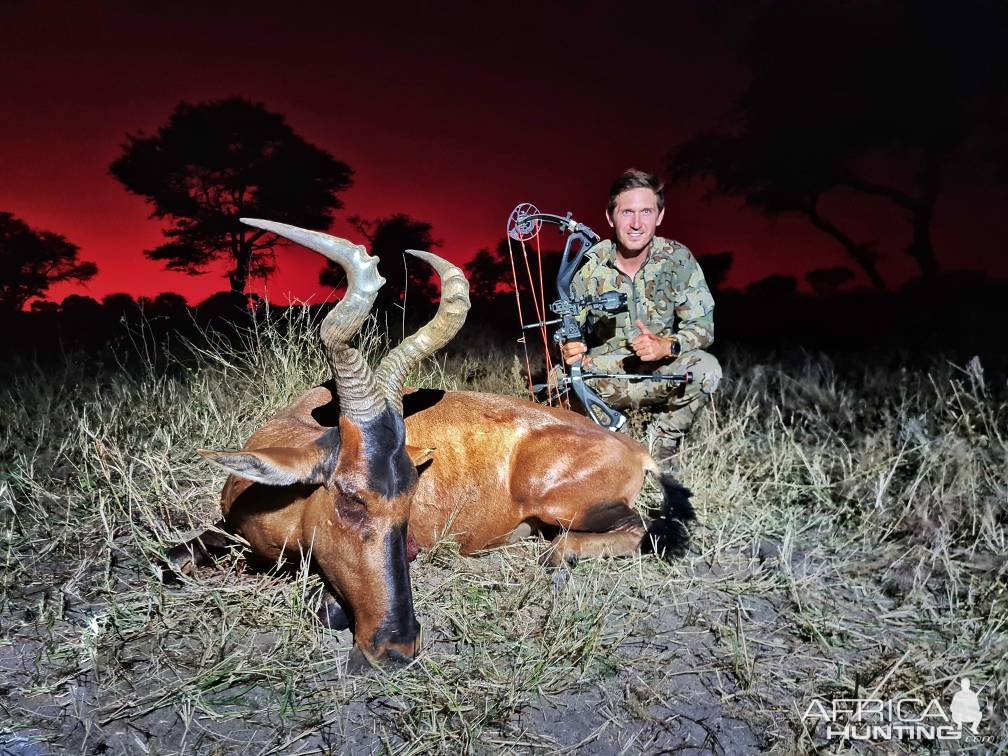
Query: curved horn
450, 316
359, 399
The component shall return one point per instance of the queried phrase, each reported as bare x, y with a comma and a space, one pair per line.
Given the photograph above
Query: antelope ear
418, 455
274, 466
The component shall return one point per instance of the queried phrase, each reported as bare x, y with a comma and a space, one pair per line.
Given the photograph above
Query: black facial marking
333, 616
390, 471
329, 443
400, 623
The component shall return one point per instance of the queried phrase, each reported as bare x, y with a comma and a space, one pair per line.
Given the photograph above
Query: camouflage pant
673, 406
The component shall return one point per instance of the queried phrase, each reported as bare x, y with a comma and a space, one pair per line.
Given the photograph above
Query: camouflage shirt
669, 294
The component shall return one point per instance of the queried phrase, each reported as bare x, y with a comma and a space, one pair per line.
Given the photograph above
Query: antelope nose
398, 659
402, 653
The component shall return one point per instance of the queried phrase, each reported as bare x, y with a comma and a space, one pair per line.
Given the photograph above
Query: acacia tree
31, 261
215, 162
846, 96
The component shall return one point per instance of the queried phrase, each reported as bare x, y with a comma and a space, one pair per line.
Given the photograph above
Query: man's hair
633, 178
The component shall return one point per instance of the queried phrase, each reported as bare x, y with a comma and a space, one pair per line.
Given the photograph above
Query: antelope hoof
559, 560
560, 565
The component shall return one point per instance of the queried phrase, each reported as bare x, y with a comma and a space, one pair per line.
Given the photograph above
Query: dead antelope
332, 474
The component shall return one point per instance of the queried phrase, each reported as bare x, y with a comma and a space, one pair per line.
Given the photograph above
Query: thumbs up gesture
649, 347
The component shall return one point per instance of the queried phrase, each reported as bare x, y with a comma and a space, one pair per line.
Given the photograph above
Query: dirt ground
658, 680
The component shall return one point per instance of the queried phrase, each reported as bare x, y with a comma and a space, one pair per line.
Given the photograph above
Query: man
668, 321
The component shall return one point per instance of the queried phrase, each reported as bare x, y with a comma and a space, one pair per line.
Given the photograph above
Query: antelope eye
351, 498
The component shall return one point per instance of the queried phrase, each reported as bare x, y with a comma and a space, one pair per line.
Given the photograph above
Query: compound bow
523, 225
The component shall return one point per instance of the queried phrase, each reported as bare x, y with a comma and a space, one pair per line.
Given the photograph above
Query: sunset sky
445, 115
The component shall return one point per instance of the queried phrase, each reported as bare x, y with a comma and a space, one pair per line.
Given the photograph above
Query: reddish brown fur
344, 536
500, 461
496, 463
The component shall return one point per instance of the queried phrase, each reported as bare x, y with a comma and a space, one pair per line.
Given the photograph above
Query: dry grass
852, 539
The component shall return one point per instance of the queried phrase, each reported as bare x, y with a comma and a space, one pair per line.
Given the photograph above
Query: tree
484, 273
715, 267
776, 286
388, 239
120, 306
826, 281
170, 304
83, 319
79, 308
31, 261
845, 96
215, 162
490, 274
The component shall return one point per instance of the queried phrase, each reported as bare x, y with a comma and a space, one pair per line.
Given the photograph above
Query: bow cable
521, 319
538, 301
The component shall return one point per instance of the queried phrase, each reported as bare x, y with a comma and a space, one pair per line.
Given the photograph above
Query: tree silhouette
83, 319
773, 287
485, 275
31, 261
77, 307
825, 281
846, 96
169, 303
490, 273
215, 162
715, 267
388, 239
120, 306
44, 306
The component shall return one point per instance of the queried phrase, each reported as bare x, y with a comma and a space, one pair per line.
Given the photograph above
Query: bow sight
524, 224
610, 301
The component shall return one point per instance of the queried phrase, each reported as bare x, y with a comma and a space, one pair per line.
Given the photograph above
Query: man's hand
650, 348
572, 352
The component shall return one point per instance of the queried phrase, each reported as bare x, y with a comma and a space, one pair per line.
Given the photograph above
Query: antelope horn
450, 316
359, 399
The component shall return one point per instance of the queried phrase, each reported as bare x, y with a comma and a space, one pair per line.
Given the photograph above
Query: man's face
635, 219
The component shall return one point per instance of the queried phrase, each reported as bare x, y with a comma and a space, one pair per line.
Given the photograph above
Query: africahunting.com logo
902, 719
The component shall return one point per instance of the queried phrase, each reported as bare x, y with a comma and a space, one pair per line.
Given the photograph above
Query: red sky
450, 117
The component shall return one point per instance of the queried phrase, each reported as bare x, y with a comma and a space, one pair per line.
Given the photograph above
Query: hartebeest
332, 473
